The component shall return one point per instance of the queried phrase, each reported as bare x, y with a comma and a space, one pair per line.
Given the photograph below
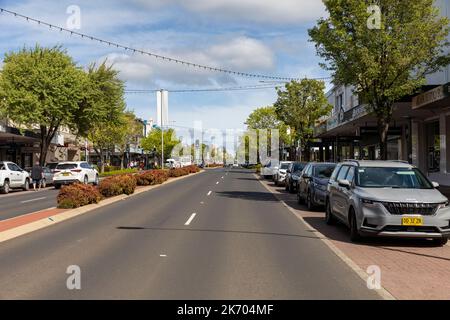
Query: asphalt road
241, 244
18, 203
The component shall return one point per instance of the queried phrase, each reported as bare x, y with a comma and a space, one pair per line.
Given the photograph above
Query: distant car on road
75, 171
52, 166
313, 183
293, 175
280, 173
387, 198
12, 176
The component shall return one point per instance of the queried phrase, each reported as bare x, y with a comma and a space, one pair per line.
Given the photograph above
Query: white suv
12, 176
76, 171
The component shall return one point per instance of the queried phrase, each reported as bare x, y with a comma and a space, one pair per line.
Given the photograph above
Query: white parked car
280, 174
12, 176
74, 171
269, 168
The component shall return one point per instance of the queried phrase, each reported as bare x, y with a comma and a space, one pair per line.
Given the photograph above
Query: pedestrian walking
37, 173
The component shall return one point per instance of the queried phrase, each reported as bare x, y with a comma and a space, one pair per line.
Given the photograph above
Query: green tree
40, 89
300, 105
387, 63
103, 100
128, 133
153, 142
267, 118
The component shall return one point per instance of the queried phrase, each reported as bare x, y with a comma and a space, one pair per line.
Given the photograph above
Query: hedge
77, 195
151, 177
117, 172
116, 185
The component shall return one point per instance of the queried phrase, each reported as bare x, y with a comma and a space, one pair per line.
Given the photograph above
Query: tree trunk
383, 128
44, 150
122, 159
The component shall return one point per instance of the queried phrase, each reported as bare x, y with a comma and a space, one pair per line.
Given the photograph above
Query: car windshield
298, 167
400, 178
284, 166
66, 166
323, 172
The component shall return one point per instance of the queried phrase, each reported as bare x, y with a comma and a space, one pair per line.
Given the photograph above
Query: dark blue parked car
313, 182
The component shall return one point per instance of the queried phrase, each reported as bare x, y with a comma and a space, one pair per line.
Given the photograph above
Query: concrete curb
383, 293
43, 223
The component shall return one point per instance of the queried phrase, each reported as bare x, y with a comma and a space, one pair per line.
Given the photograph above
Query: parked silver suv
387, 198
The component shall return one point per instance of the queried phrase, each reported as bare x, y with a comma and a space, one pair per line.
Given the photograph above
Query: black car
293, 175
312, 186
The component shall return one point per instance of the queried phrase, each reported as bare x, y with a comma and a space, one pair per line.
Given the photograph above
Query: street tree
102, 102
300, 105
385, 52
129, 131
40, 89
266, 118
153, 142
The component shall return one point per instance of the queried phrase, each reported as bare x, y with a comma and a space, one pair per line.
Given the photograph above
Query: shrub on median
151, 177
117, 185
178, 172
77, 195
117, 172
192, 169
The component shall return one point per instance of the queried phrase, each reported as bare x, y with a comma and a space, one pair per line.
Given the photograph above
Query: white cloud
241, 53
261, 11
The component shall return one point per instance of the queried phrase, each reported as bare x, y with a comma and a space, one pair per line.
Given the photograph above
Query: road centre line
209, 193
190, 219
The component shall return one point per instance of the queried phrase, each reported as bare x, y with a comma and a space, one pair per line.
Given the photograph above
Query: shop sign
430, 96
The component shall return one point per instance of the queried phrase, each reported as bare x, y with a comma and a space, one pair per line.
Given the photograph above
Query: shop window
433, 139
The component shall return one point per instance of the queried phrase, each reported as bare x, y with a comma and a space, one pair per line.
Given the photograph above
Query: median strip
22, 225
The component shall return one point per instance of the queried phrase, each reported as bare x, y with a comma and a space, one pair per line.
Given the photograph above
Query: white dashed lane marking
190, 219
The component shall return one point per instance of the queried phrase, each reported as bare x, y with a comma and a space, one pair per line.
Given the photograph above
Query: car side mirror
344, 183
305, 176
435, 185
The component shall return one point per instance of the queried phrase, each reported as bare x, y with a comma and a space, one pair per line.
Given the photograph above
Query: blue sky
266, 37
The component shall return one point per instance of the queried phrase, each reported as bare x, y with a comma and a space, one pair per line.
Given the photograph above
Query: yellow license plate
65, 174
412, 221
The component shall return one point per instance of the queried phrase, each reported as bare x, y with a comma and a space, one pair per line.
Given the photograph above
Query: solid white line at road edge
190, 219
383, 293
31, 200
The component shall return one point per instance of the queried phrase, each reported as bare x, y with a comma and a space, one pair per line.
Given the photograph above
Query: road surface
217, 235
18, 203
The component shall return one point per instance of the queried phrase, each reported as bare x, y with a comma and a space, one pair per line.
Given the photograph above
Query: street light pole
162, 129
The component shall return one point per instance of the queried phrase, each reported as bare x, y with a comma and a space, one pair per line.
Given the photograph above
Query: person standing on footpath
37, 173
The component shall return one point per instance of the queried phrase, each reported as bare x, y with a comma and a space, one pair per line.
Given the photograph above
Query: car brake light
55, 171
76, 170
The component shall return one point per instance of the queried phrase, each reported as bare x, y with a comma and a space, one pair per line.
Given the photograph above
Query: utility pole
162, 129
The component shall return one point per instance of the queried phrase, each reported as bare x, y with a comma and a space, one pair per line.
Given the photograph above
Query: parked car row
372, 198
14, 177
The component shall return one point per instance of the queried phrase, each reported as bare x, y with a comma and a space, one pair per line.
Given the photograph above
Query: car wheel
299, 198
291, 188
5, 188
440, 242
96, 180
44, 183
26, 185
310, 202
57, 186
329, 218
85, 180
354, 232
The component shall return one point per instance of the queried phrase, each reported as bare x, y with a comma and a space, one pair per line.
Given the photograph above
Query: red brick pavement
411, 269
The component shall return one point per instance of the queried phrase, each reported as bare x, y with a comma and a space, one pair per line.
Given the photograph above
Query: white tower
162, 108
